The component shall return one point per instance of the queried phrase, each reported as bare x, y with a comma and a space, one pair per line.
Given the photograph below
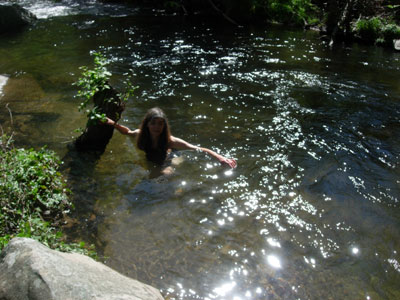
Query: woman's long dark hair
144, 142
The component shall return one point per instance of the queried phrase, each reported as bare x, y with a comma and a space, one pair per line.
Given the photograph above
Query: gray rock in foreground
30, 270
14, 17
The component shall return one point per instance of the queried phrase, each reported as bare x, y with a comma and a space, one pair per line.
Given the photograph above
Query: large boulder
30, 270
14, 17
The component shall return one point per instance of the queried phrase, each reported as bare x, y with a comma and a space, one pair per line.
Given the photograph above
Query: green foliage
291, 11
391, 32
96, 80
91, 82
369, 29
30, 185
295, 12
376, 30
42, 231
32, 192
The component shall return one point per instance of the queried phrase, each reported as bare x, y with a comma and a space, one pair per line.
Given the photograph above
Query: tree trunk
342, 21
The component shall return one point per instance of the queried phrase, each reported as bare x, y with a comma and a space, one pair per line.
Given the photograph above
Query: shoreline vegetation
373, 22
34, 198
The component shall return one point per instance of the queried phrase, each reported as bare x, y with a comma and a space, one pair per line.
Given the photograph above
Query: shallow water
311, 212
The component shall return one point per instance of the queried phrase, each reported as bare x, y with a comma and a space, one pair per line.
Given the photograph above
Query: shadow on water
80, 167
83, 221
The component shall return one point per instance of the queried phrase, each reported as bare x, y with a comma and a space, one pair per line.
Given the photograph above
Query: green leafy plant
33, 197
91, 82
391, 32
377, 30
42, 231
368, 29
31, 185
97, 80
296, 12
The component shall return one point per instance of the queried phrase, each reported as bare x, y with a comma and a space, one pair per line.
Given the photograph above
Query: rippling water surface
311, 211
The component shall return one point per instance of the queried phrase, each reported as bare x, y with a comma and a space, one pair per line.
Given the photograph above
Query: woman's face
156, 126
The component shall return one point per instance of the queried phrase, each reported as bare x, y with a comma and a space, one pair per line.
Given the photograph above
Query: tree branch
222, 13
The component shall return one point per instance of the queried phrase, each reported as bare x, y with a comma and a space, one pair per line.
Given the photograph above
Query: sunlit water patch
47, 9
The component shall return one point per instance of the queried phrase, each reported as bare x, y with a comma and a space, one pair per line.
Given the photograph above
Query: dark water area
311, 211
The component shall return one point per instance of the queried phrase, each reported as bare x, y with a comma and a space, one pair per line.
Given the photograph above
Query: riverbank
33, 198
369, 22
33, 202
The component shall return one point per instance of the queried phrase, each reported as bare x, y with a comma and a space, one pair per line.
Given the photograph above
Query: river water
312, 210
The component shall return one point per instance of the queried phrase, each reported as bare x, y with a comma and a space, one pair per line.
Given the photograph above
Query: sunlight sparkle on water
395, 264
310, 261
274, 261
224, 289
273, 242
228, 173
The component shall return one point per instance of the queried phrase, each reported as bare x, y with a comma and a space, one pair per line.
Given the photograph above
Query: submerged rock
30, 270
14, 17
23, 89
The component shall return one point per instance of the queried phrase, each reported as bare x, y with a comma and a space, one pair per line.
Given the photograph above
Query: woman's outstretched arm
121, 128
180, 144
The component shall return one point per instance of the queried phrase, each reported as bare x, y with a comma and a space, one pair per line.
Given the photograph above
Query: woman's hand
228, 161
108, 121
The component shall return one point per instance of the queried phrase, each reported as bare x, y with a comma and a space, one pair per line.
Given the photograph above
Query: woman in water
155, 139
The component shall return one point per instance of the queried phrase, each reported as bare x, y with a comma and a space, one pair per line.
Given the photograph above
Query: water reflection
274, 261
224, 289
355, 251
